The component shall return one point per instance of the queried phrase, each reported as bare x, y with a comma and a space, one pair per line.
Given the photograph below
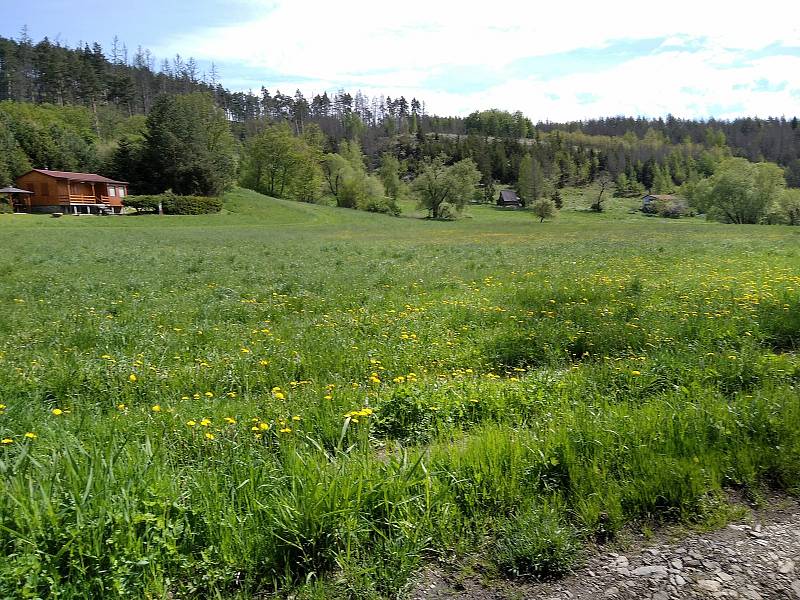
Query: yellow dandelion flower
328, 397
245, 350
121, 406
191, 423
263, 363
296, 418
156, 408
286, 430
230, 420
636, 372
209, 436
205, 422
30, 435
6, 441
57, 412
279, 395
132, 378
209, 394
264, 426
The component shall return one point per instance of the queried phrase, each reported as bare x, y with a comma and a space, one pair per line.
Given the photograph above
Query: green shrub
191, 205
175, 205
381, 204
447, 212
668, 209
536, 543
142, 203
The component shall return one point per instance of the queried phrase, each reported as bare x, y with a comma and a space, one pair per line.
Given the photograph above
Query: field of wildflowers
293, 398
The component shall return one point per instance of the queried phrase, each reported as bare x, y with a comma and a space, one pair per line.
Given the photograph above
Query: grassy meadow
295, 398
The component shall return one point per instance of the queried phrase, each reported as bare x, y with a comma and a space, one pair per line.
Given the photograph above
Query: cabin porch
76, 204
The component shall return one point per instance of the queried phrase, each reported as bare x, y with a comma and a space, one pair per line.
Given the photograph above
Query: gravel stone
651, 571
676, 565
709, 585
785, 567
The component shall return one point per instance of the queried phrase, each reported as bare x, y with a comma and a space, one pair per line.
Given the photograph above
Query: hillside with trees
168, 125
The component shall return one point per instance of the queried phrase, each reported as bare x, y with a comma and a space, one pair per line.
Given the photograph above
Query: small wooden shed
18, 200
510, 199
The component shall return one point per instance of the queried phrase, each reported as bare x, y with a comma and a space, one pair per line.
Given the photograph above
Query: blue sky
146, 22
553, 61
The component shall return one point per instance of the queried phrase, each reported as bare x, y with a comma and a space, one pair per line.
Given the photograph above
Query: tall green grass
291, 398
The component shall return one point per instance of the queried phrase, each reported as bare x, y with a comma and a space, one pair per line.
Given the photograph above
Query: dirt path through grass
756, 557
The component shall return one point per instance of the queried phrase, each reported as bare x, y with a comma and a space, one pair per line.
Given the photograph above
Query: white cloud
395, 48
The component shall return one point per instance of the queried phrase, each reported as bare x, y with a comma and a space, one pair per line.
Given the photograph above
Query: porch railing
84, 199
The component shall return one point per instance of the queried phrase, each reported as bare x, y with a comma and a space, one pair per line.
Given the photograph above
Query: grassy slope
538, 384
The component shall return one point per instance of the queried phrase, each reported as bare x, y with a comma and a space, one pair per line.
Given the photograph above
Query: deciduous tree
438, 185
604, 181
739, 191
278, 163
544, 208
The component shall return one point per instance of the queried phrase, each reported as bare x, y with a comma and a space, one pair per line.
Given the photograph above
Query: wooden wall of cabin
63, 189
117, 197
45, 189
84, 189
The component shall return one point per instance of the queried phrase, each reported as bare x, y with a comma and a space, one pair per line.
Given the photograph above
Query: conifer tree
188, 147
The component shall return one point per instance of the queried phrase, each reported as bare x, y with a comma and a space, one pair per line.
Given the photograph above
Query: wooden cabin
509, 198
70, 193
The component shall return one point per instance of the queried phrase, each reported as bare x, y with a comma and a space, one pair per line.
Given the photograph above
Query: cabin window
122, 192
112, 191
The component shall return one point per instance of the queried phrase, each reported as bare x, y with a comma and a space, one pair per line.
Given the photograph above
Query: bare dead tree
604, 180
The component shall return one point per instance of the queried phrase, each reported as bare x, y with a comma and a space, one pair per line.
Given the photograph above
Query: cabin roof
509, 196
87, 177
13, 190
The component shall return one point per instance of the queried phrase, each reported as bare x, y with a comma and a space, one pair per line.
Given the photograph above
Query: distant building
509, 198
651, 198
665, 205
67, 192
